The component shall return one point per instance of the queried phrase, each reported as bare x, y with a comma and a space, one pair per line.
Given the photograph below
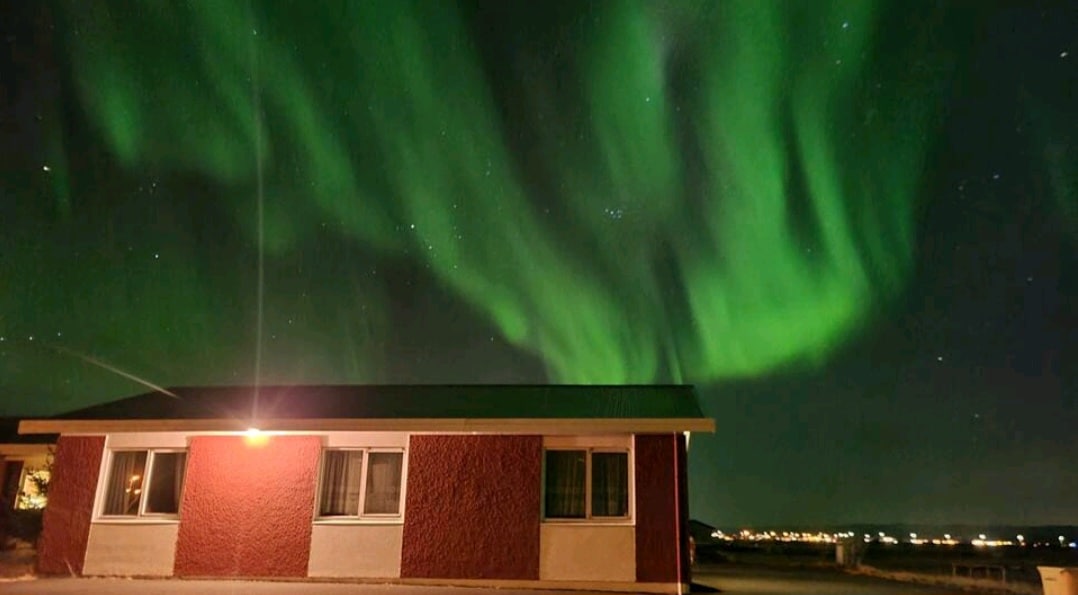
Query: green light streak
746, 221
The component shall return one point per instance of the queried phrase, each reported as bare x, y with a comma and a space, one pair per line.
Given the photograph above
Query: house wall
571, 552
356, 551
247, 506
472, 509
75, 468
131, 549
659, 531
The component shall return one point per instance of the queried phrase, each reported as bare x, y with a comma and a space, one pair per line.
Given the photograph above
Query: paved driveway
102, 586
732, 580
741, 580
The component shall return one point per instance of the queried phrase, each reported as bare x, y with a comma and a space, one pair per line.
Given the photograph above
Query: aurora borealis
761, 198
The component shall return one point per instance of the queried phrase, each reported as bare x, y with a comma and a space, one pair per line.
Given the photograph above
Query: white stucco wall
148, 440
365, 439
584, 552
356, 550
131, 549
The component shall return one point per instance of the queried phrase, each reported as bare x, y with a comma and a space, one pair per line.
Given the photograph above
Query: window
33, 494
144, 483
586, 484
361, 483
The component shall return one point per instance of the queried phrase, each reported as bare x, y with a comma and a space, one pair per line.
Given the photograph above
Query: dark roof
404, 402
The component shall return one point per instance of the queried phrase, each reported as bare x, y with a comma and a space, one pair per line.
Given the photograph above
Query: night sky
851, 224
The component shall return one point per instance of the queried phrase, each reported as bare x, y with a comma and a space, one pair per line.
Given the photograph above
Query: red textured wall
247, 508
472, 509
658, 518
62, 547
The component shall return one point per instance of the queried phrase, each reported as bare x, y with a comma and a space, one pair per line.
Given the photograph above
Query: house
575, 487
22, 460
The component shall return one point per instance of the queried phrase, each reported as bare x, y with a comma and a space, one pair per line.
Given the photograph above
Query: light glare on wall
255, 437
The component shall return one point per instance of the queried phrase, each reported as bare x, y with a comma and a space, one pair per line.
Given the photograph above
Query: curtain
565, 484
125, 483
166, 482
177, 478
609, 484
383, 483
341, 472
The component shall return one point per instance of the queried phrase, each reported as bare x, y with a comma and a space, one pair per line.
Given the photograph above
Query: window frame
360, 517
589, 519
141, 515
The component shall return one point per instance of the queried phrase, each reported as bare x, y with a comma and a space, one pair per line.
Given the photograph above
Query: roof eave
559, 426
8, 450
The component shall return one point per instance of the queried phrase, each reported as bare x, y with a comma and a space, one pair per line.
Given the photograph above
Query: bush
25, 525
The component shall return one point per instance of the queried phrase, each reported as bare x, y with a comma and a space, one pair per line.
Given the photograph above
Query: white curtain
383, 483
341, 473
125, 483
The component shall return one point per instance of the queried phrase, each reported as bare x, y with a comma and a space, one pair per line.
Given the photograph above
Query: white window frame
142, 515
361, 517
590, 447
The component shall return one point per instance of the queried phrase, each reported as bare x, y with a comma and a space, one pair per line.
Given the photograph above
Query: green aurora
694, 192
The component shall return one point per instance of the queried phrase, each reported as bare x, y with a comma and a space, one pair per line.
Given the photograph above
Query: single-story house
576, 487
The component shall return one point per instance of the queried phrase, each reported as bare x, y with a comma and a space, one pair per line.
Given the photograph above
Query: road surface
730, 580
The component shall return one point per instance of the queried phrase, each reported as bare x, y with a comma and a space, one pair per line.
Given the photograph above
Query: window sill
589, 522
136, 521
356, 521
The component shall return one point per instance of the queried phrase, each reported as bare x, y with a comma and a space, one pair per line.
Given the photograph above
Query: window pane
125, 483
609, 484
565, 487
383, 483
341, 473
166, 482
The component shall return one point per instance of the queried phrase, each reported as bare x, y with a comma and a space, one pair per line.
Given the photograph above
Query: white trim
364, 439
149, 440
528, 426
576, 442
102, 478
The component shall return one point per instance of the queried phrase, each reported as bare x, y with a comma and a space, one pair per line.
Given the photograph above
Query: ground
761, 580
728, 580
17, 561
